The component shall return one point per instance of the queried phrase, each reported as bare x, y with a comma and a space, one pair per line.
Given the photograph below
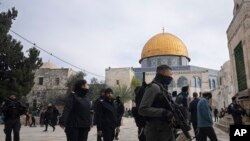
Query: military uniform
237, 112
100, 99
106, 118
153, 106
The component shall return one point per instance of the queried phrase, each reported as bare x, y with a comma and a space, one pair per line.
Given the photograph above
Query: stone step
226, 122
222, 127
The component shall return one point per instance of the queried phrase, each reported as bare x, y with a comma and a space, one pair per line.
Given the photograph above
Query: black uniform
12, 109
193, 111
120, 111
55, 115
237, 112
98, 100
76, 117
106, 119
49, 118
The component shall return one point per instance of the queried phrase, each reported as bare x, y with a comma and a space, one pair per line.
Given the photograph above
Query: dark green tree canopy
16, 70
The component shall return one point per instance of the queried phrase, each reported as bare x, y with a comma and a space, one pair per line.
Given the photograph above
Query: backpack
139, 92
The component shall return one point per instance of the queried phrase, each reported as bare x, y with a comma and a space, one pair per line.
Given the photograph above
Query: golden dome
164, 44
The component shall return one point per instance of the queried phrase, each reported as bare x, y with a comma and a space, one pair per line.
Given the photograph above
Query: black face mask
165, 80
82, 91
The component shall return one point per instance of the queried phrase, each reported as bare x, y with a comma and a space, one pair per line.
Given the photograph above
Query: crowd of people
106, 110
156, 119
158, 114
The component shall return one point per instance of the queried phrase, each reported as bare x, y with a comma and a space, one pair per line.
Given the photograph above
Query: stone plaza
128, 133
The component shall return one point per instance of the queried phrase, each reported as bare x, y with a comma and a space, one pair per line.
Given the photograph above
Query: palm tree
124, 92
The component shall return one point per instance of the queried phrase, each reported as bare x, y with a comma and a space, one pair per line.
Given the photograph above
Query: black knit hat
108, 90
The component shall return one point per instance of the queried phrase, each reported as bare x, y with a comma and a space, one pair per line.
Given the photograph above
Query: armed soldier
156, 109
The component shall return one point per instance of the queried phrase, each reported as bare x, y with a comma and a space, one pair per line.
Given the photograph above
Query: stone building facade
238, 34
166, 48
225, 91
49, 81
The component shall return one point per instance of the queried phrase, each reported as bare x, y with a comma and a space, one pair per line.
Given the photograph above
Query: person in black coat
76, 116
97, 101
55, 115
12, 110
237, 111
120, 111
106, 118
193, 111
48, 118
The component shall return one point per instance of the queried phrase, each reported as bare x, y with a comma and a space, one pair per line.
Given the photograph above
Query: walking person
193, 111
12, 110
55, 115
205, 120
42, 118
182, 101
216, 116
97, 101
120, 111
33, 120
27, 119
76, 116
48, 118
154, 106
106, 116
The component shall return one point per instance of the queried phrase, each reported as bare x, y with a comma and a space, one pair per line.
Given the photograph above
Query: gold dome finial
163, 29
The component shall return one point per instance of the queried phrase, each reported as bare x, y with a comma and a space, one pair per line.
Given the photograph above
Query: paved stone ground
128, 133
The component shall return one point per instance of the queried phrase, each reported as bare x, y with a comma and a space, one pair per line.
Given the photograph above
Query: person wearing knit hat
106, 119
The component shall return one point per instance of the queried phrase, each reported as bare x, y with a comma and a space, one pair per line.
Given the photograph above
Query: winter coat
76, 112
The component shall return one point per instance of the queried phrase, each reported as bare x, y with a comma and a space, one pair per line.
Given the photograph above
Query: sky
97, 34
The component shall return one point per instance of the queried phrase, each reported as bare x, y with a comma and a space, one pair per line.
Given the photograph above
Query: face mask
83, 91
167, 80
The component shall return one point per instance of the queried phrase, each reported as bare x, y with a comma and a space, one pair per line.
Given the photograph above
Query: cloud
95, 34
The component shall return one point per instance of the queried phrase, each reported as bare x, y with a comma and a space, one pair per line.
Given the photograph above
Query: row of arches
195, 82
183, 81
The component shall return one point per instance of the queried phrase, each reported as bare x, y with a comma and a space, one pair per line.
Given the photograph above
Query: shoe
116, 138
54, 128
45, 130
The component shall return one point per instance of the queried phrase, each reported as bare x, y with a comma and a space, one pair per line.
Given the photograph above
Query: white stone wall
239, 30
123, 75
225, 88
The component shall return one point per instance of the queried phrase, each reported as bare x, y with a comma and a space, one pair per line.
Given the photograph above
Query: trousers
12, 125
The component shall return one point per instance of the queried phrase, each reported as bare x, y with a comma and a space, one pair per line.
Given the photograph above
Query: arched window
182, 81
214, 84
198, 82
193, 82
